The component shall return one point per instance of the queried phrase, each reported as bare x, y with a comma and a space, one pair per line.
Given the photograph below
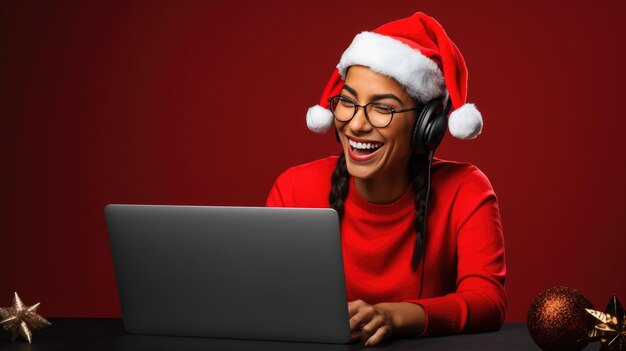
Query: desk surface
108, 334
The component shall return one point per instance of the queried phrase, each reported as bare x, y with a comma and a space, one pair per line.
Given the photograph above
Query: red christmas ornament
558, 321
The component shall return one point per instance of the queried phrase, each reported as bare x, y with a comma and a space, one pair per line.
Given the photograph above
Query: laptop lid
230, 272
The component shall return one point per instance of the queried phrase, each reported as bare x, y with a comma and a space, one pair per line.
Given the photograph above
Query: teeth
364, 146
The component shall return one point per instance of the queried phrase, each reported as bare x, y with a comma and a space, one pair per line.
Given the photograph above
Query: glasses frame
357, 106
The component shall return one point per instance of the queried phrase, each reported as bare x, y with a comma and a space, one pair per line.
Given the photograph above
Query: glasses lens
379, 114
342, 108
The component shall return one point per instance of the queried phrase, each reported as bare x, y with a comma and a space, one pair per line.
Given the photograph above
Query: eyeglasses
377, 114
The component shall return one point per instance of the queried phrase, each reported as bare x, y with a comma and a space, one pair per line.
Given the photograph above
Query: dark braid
339, 186
418, 169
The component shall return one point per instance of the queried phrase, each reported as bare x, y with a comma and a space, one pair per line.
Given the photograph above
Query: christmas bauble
558, 321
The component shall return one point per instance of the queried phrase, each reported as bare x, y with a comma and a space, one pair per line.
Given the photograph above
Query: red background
197, 102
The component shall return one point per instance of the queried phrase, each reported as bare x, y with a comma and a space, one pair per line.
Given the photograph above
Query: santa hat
417, 53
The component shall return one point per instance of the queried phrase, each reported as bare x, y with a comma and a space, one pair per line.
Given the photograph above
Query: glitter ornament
558, 321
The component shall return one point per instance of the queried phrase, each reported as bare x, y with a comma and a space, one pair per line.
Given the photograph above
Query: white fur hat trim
465, 122
319, 119
385, 55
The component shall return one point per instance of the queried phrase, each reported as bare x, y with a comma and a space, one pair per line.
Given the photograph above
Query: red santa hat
417, 53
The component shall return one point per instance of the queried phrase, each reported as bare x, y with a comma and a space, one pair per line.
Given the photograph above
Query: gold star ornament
610, 326
20, 320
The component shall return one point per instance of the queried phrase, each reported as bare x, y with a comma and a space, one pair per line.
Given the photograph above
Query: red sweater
464, 259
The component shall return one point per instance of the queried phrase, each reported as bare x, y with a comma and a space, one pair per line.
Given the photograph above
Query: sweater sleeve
280, 194
479, 302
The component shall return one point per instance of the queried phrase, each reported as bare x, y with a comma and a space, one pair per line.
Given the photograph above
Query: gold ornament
610, 326
20, 320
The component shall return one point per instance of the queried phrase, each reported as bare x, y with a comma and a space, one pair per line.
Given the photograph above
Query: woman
420, 259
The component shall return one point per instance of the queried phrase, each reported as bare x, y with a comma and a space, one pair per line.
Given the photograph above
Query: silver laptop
230, 272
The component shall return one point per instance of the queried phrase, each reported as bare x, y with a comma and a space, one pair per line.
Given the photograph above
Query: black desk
108, 334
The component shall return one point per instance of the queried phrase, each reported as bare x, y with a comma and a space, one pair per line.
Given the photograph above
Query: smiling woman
380, 176
388, 101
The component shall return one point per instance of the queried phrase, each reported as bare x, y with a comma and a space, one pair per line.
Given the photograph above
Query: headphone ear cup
416, 136
421, 134
436, 128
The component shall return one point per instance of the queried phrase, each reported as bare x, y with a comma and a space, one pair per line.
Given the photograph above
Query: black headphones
431, 125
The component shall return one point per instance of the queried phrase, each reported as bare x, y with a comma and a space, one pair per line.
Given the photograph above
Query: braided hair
339, 185
418, 172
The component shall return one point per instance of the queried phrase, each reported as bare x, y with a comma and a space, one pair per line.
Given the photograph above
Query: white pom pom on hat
416, 52
319, 119
465, 122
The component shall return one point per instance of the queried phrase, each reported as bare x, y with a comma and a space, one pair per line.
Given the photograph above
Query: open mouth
361, 151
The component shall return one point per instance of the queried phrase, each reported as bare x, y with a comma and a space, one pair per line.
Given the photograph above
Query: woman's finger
366, 334
362, 317
354, 306
374, 323
357, 321
381, 334
372, 326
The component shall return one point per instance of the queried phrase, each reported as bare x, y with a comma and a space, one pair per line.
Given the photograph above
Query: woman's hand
380, 321
374, 322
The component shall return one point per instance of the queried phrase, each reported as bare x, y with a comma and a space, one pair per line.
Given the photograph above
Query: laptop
230, 272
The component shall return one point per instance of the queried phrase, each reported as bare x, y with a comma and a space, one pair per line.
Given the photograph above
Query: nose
359, 124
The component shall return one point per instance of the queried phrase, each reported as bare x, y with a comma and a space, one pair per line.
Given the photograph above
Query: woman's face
364, 86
